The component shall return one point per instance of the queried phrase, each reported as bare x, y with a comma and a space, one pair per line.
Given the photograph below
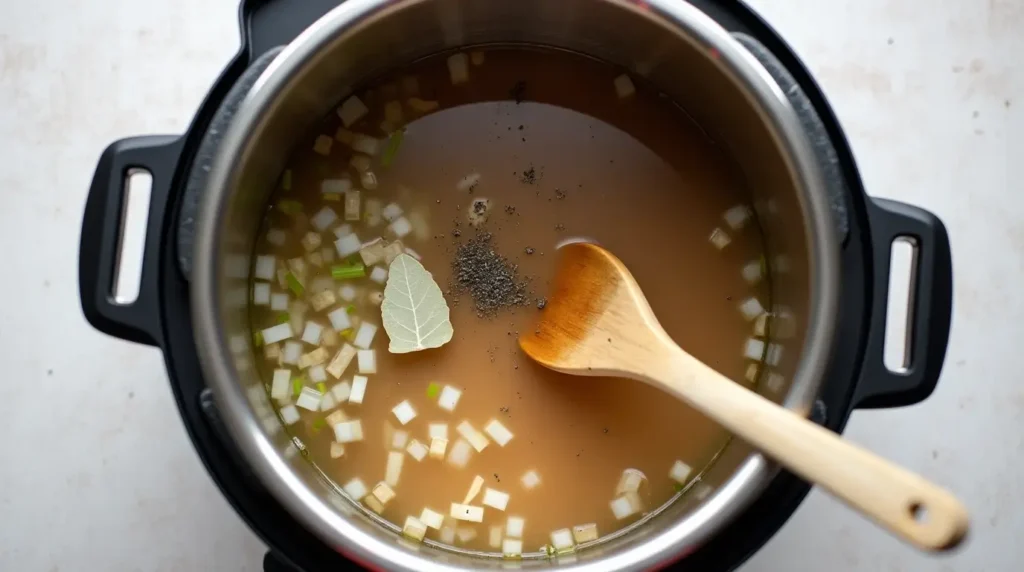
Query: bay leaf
414, 311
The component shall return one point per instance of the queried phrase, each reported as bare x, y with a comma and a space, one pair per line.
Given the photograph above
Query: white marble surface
96, 472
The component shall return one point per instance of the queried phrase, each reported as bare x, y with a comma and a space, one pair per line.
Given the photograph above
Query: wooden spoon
598, 323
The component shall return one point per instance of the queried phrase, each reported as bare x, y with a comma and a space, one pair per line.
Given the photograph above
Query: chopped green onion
433, 390
257, 338
319, 424
289, 207
286, 180
334, 197
394, 142
284, 318
342, 272
321, 387
348, 334
294, 285
350, 309
297, 385
678, 487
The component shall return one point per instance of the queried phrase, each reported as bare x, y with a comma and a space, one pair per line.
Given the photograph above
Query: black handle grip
102, 224
930, 310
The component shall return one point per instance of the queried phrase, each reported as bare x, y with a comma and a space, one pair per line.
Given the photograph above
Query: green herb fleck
297, 385
348, 334
321, 387
350, 309
284, 318
294, 285
257, 339
286, 180
433, 390
346, 271
678, 487
319, 424
289, 207
394, 142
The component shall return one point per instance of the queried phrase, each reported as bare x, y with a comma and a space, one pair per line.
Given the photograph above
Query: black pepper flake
529, 176
559, 194
490, 278
559, 227
606, 430
497, 478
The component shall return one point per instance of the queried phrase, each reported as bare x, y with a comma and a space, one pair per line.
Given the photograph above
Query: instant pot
828, 258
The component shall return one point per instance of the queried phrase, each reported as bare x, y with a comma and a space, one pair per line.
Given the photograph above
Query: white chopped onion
495, 499
315, 357
280, 386
335, 417
361, 163
737, 216
437, 448
394, 468
323, 219
352, 205
417, 450
781, 264
458, 68
311, 241
311, 335
291, 352
437, 430
719, 238
679, 472
347, 245
498, 432
327, 402
474, 489
414, 528
626, 506
373, 504
401, 227
584, 533
476, 57
348, 294
358, 389
261, 294
393, 112
752, 272
398, 438
630, 482
761, 325
373, 252
530, 480
460, 453
624, 86
494, 536
309, 399
264, 267
432, 518
277, 333
752, 372
465, 534
367, 360
449, 398
327, 254
404, 412
366, 145
774, 355
751, 308
322, 145
775, 382
372, 212
514, 527
383, 491
289, 414
368, 180
352, 110
561, 539
422, 105
470, 433
447, 535
315, 259
391, 212
511, 547
364, 335
392, 251
754, 349
413, 253
355, 489
277, 237
468, 182
334, 187
340, 319
341, 361
322, 300
272, 352
467, 513
379, 274
337, 450
348, 431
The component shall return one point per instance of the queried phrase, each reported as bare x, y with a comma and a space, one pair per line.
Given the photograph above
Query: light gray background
96, 472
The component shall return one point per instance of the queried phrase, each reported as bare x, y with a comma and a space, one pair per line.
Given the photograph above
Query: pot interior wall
626, 34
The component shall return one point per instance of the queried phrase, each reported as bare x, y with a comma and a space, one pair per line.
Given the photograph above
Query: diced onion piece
751, 308
476, 57
474, 489
327, 254
719, 238
458, 68
432, 518
414, 528
366, 145
291, 353
392, 251
327, 402
344, 136
624, 86
352, 205
399, 438
315, 259
335, 417
372, 212
737, 216
279, 302
775, 382
530, 480
364, 335
626, 506
383, 491
368, 180
322, 300
323, 219
265, 267
361, 163
289, 414
701, 491
494, 536
367, 360
261, 294
754, 349
355, 489
630, 482
761, 325
512, 548
495, 499
322, 145
460, 453
391, 212
347, 245
422, 105
752, 372
352, 110
449, 398
561, 539
584, 533
340, 319
280, 386
276, 236
335, 187
417, 450
311, 335
311, 241
348, 294
437, 448
498, 432
315, 357
752, 272
348, 431
272, 352
774, 355
465, 534
401, 227
379, 274
404, 412
341, 361
393, 112
277, 333
475, 438
679, 472
337, 450
467, 513
358, 389
373, 252
436, 430
373, 504
514, 527
468, 182
447, 534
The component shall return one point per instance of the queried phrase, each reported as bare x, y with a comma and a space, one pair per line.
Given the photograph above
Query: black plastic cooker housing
160, 316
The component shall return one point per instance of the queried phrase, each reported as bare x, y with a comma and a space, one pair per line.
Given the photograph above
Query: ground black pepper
488, 277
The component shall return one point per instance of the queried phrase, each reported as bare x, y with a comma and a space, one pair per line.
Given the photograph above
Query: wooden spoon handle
908, 505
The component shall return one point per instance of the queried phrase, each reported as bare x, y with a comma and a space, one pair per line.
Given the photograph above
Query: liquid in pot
478, 165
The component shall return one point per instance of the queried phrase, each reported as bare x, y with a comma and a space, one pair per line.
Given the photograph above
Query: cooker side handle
930, 306
102, 225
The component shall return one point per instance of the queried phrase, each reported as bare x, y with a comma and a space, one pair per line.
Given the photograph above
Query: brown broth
636, 175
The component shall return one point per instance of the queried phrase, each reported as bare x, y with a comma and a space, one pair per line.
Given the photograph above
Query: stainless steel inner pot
670, 43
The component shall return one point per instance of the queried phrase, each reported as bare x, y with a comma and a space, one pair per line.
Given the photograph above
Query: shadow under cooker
853, 380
